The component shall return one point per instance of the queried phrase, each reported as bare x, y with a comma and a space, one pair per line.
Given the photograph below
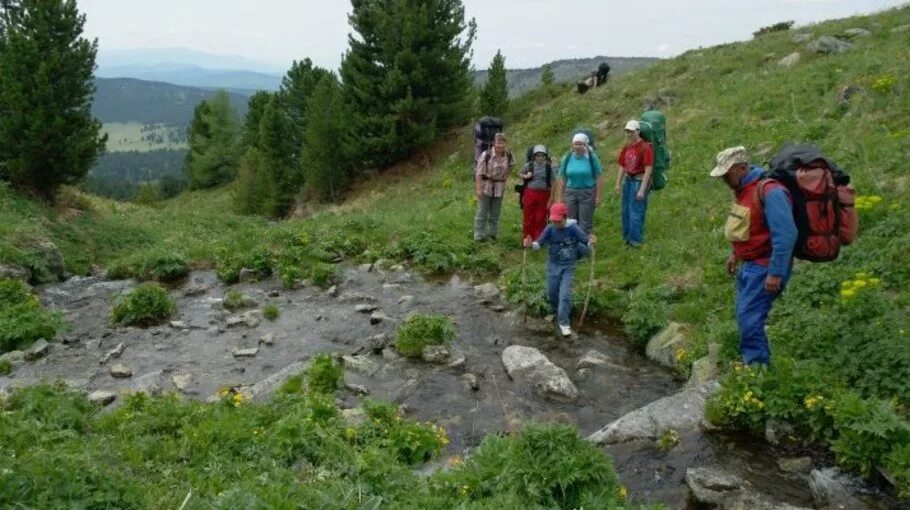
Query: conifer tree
547, 78
48, 136
327, 141
278, 165
406, 73
212, 156
494, 97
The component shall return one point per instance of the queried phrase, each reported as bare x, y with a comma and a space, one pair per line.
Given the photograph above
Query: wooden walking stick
524, 287
584, 310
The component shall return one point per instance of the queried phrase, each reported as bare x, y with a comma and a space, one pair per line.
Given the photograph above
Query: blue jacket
566, 245
779, 218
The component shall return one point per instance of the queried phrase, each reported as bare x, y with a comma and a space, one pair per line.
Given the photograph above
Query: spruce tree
278, 166
547, 78
327, 141
406, 73
251, 191
494, 97
48, 136
212, 156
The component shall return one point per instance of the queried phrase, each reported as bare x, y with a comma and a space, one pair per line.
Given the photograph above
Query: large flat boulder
530, 365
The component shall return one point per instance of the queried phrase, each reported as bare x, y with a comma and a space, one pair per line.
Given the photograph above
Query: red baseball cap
558, 211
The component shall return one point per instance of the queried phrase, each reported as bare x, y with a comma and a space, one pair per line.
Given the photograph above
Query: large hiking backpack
484, 131
823, 201
654, 131
603, 73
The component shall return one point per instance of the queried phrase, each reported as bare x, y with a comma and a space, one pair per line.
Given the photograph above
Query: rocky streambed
500, 372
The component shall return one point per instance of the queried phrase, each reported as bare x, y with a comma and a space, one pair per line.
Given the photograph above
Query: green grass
22, 318
146, 305
134, 136
419, 331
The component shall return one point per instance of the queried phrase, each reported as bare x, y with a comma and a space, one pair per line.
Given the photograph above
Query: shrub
145, 305
271, 312
419, 331
324, 375
777, 27
235, 300
22, 318
230, 260
6, 367
410, 442
646, 314
162, 266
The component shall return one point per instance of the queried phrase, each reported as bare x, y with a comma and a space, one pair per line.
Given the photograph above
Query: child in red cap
567, 243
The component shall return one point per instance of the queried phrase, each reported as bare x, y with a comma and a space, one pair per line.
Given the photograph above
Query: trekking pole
524, 286
584, 310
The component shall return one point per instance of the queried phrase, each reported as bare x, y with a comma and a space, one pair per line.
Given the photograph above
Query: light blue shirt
576, 170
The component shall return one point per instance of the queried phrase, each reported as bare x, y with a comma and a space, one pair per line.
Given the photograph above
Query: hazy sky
529, 32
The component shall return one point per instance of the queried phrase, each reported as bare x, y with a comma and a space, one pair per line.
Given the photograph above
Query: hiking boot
565, 330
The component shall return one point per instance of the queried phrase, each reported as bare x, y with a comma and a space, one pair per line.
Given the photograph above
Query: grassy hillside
147, 102
134, 136
839, 335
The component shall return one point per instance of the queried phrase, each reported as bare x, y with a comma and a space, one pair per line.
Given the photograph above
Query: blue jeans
559, 290
633, 212
753, 304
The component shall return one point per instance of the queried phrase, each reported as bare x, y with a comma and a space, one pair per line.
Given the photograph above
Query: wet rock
354, 417
857, 32
681, 412
663, 347
529, 364
901, 29
847, 92
149, 383
357, 389
14, 272
747, 500
390, 354
102, 397
267, 386
801, 38
406, 390
498, 308
249, 319
366, 268
593, 359
790, 60
13, 357
38, 350
332, 291
274, 293
180, 325
795, 464
112, 354
247, 275
828, 45
182, 382
374, 344
250, 352
582, 374
487, 292
391, 286
213, 331
402, 278
378, 317
779, 432
365, 308
267, 339
711, 486
195, 290
706, 368
119, 371
359, 364
471, 381
830, 489
356, 297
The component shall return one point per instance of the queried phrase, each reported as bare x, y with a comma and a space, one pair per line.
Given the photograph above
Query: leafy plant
324, 375
6, 367
145, 305
777, 27
418, 331
271, 312
22, 318
162, 266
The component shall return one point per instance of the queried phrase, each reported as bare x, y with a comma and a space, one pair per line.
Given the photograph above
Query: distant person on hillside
538, 178
567, 244
490, 176
636, 161
588, 83
763, 233
603, 73
580, 181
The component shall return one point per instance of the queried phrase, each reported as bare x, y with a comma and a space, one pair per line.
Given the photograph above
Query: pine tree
282, 174
494, 97
547, 78
212, 156
48, 136
255, 107
251, 191
327, 143
406, 73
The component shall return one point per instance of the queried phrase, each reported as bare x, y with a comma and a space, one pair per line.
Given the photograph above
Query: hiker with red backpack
535, 197
490, 175
803, 208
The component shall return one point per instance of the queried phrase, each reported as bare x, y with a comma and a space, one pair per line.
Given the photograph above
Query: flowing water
313, 321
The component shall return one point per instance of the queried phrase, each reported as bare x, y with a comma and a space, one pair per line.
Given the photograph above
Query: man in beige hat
761, 229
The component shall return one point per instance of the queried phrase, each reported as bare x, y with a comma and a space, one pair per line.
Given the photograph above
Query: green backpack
654, 131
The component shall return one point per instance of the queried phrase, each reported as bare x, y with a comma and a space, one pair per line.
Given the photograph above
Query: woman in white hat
580, 182
536, 198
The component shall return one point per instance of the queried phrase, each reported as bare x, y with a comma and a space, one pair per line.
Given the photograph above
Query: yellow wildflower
680, 355
463, 490
847, 293
623, 492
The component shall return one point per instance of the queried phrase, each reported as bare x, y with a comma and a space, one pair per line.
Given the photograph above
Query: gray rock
366, 268
901, 29
119, 371
405, 300
356, 297
180, 325
498, 308
38, 350
14, 272
357, 389
267, 339
680, 412
406, 390
747, 500
711, 486
374, 344
247, 275
487, 292
593, 359
830, 489
457, 360
332, 291
857, 32
365, 308
437, 354
390, 354
267, 386
663, 346
102, 397
790, 60
359, 364
250, 352
274, 293
195, 290
213, 331
582, 374
182, 381
471, 381
249, 319
378, 318
354, 417
149, 383
13, 357
828, 45
800, 38
795, 464
530, 365
779, 432
112, 354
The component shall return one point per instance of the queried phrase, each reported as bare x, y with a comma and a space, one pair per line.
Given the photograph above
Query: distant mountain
565, 71
193, 76
148, 102
150, 57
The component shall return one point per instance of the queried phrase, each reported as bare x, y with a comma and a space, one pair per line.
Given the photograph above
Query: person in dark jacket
762, 231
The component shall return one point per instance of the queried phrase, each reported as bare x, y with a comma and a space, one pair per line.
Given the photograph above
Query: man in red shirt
636, 160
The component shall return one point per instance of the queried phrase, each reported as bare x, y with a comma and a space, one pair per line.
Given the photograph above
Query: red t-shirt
633, 158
